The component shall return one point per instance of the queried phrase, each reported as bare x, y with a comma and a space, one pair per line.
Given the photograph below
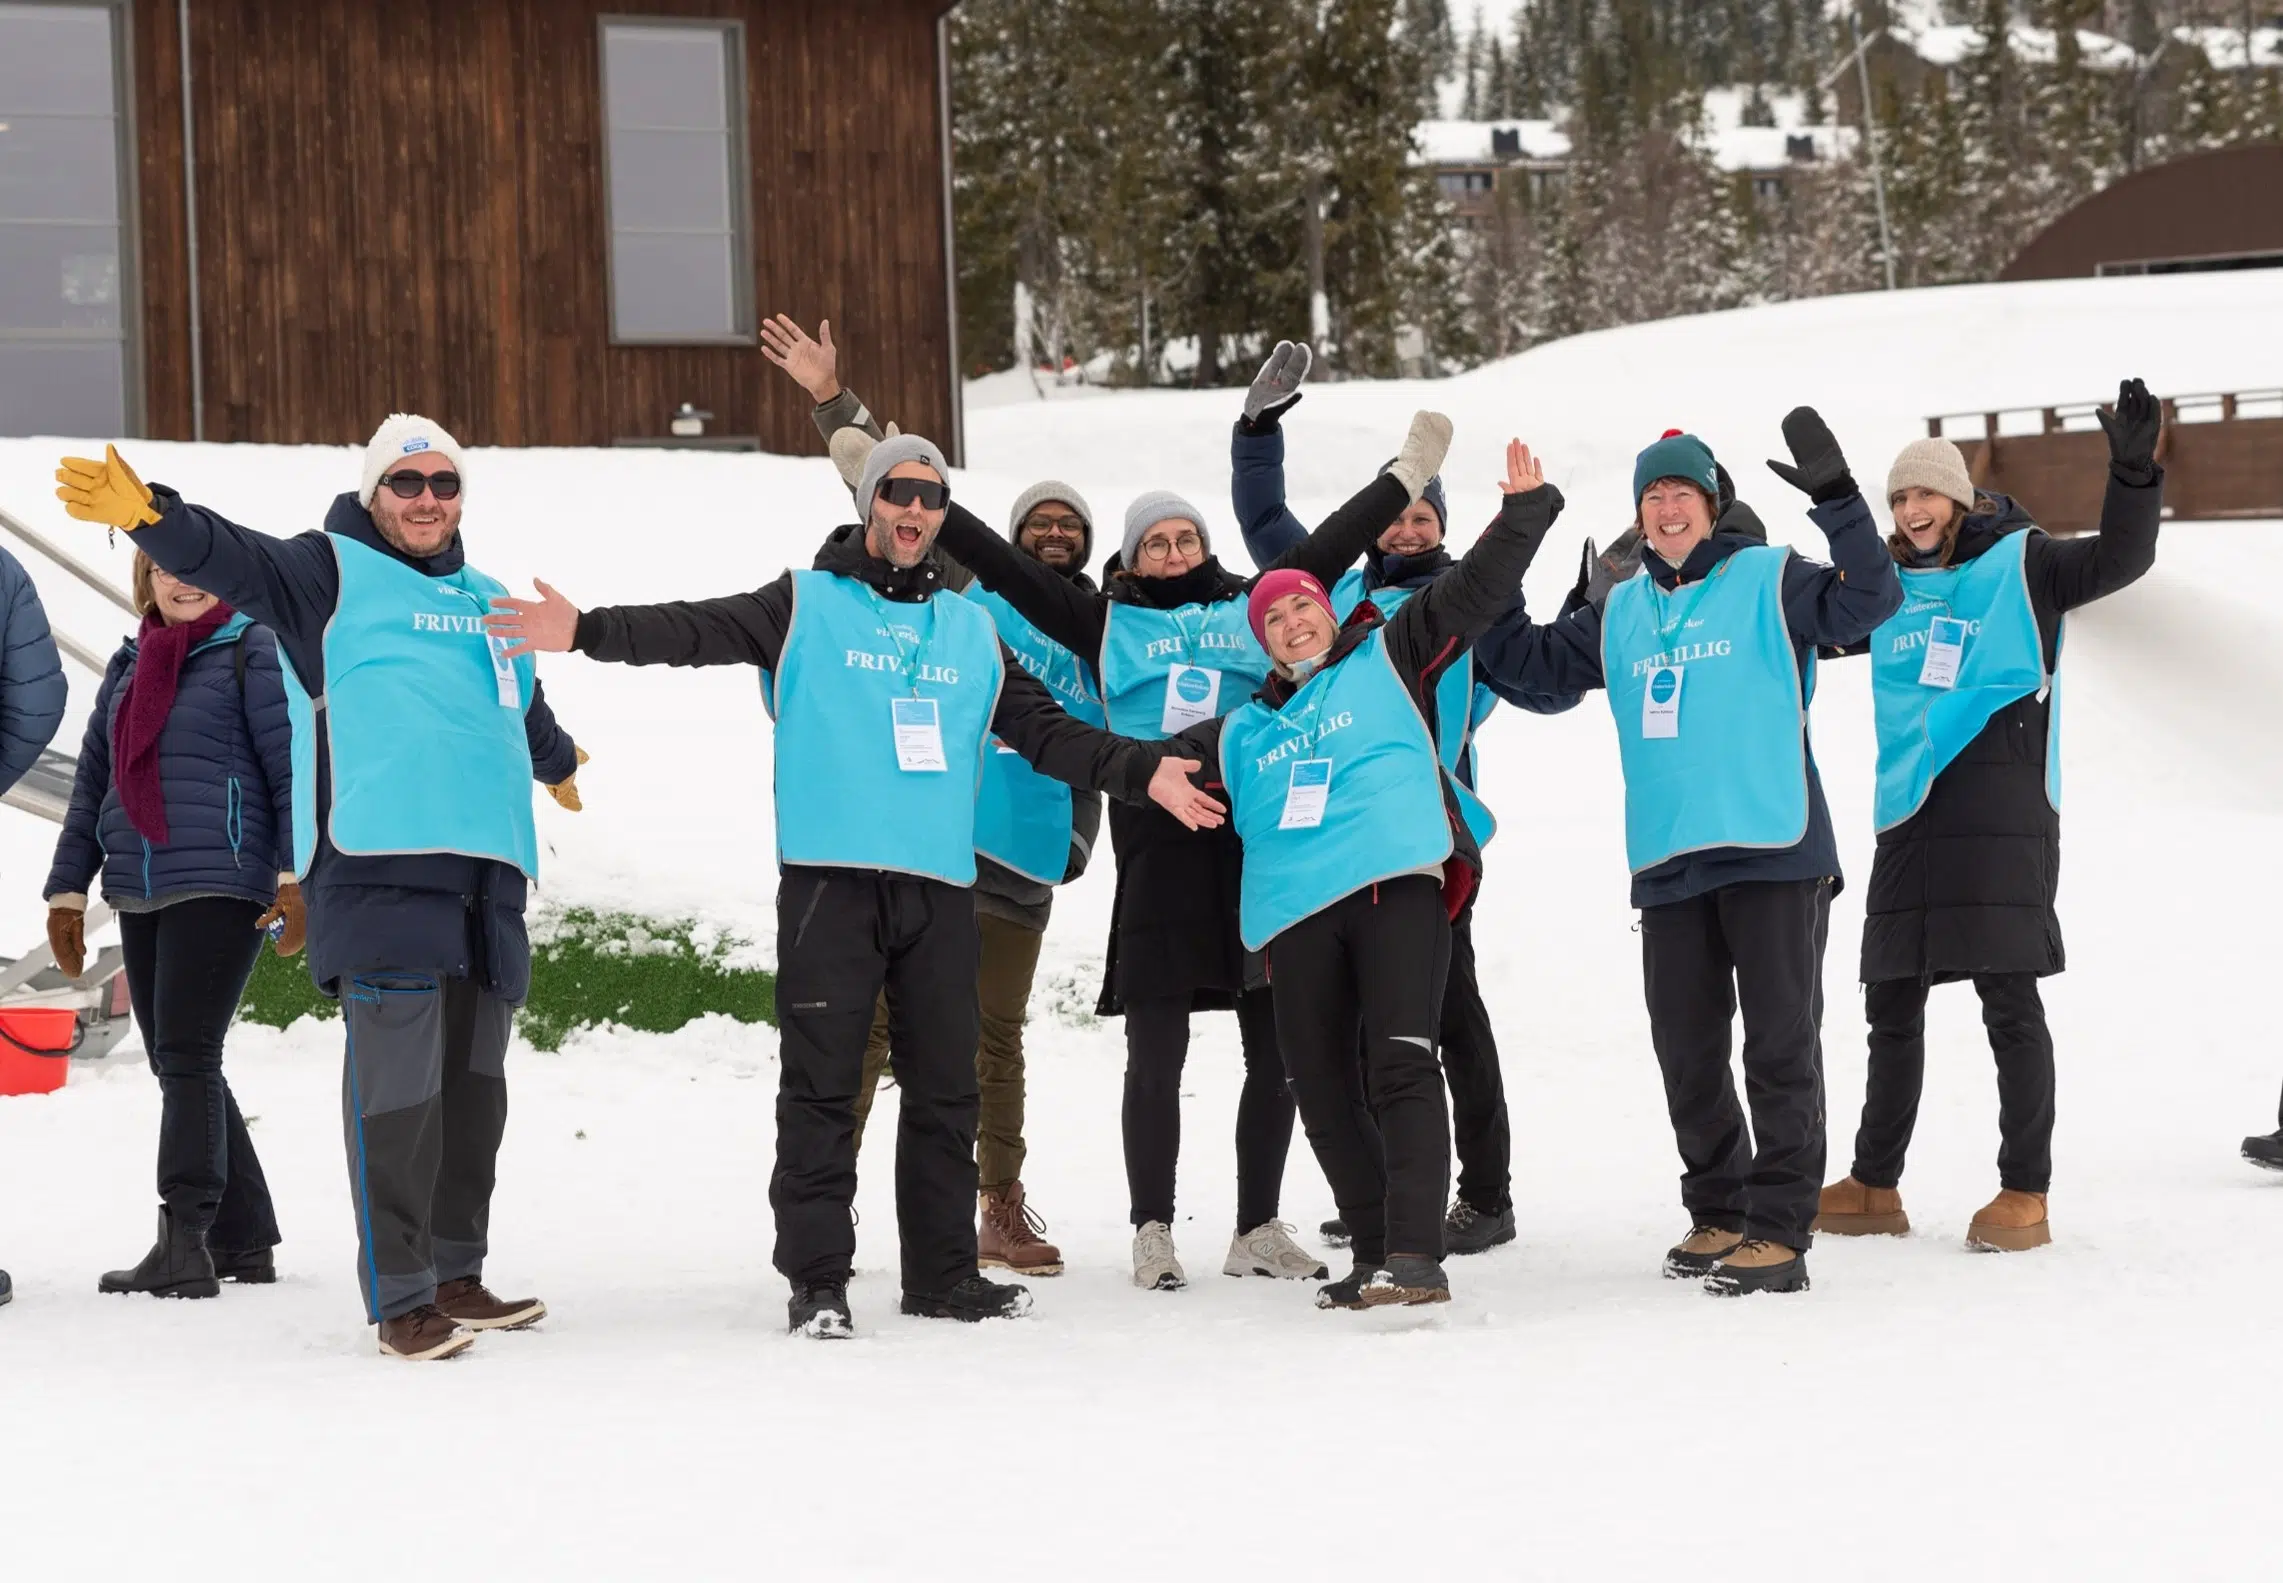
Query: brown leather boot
1847, 1208
424, 1334
1758, 1267
471, 1303
1695, 1254
2010, 1223
1009, 1237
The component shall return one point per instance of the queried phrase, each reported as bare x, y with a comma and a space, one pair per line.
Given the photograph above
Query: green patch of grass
587, 969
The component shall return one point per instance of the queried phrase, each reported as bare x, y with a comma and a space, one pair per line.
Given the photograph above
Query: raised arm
1256, 457
2067, 573
1070, 615
1838, 604
1350, 532
1428, 632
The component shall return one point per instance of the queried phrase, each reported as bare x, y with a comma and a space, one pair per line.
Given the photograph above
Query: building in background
542, 222
2222, 209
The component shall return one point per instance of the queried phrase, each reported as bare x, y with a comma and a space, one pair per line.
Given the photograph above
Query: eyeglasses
924, 492
1158, 549
1069, 526
408, 484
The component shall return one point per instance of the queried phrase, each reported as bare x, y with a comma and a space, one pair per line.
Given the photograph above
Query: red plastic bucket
35, 1045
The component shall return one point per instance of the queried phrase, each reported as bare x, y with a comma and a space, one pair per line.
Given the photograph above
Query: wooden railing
2222, 456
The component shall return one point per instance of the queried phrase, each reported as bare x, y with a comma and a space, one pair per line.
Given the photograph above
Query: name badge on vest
919, 735
1661, 703
1304, 799
1945, 652
1192, 697
503, 673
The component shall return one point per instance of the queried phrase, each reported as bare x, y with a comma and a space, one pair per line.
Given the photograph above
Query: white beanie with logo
407, 434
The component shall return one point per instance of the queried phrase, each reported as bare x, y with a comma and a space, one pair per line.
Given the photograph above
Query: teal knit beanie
1677, 455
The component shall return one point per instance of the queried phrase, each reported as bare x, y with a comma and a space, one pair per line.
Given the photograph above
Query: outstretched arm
1065, 612
1348, 533
742, 629
2066, 574
288, 585
1428, 632
1840, 604
1033, 724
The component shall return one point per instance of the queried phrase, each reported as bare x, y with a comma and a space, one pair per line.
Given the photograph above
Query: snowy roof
1950, 46
1468, 142
2223, 46
1769, 147
1724, 108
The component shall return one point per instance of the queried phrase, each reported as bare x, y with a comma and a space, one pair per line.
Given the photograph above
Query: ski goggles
408, 484
923, 492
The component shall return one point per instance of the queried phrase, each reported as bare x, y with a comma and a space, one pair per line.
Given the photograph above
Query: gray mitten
1604, 570
1423, 451
1277, 386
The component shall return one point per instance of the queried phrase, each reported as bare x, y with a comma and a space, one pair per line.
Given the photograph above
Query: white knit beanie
407, 434
1147, 511
1932, 464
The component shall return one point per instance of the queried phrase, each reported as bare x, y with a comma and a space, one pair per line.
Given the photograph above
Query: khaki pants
1003, 987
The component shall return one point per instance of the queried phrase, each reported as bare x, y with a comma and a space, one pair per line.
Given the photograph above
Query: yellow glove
107, 491
566, 790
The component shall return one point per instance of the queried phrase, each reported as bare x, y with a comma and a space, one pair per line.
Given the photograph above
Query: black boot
1467, 1229
1334, 1232
1407, 1281
819, 1310
7, 1289
178, 1265
972, 1299
1347, 1292
246, 1266
2265, 1151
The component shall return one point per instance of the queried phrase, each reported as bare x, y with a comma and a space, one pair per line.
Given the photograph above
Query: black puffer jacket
1967, 884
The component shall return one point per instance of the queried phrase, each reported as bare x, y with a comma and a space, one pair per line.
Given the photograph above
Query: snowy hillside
2086, 1410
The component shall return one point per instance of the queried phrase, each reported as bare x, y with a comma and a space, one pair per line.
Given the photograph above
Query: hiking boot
1347, 1291
1268, 1249
1334, 1232
1694, 1255
2010, 1223
1407, 1281
819, 1310
178, 1265
2265, 1151
246, 1266
1155, 1267
470, 1302
423, 1335
973, 1299
1848, 1208
1467, 1229
1758, 1266
1009, 1239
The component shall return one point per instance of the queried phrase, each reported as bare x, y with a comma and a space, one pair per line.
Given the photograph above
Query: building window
1768, 189
674, 120
64, 280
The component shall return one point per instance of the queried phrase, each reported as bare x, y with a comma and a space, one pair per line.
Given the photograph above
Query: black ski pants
1366, 974
844, 935
424, 1106
2014, 1014
1157, 1048
1479, 1127
1758, 945
187, 964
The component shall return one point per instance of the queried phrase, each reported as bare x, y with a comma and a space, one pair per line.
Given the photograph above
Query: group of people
333, 738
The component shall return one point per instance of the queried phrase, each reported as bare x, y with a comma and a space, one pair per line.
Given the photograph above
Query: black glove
1822, 471
2132, 426
1599, 571
1276, 388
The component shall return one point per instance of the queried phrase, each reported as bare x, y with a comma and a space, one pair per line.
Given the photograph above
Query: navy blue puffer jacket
225, 765
31, 675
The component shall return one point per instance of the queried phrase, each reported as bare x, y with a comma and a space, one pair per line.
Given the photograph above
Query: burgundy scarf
159, 652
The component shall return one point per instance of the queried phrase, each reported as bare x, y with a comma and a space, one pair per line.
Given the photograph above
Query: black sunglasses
408, 484
924, 492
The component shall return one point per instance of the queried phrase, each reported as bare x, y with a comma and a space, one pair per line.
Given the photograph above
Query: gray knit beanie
1932, 464
1039, 494
1147, 511
892, 453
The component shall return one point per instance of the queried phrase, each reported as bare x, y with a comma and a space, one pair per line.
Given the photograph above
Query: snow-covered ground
2092, 1409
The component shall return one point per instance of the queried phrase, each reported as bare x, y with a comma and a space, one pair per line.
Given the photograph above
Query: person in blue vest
1170, 646
1709, 663
183, 803
1358, 855
1966, 680
415, 745
887, 691
32, 694
1407, 557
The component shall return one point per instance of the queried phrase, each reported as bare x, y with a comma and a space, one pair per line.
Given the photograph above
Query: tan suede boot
1009, 1239
1695, 1254
1849, 1209
1758, 1267
2010, 1223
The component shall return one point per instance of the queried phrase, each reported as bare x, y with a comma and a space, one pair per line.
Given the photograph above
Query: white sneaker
1155, 1267
1269, 1250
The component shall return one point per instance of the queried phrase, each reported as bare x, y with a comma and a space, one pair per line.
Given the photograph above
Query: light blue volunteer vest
1921, 728
423, 725
1383, 812
1736, 775
1140, 647
1460, 704
843, 801
1022, 818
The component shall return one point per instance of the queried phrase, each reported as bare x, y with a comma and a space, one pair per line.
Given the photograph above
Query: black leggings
187, 964
2014, 1014
1157, 1046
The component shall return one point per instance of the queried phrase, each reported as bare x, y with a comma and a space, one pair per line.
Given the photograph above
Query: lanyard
1664, 631
913, 662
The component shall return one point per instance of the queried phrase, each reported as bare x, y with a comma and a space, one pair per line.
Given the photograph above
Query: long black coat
1967, 884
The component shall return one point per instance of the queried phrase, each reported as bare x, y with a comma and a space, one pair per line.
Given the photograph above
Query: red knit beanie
1274, 586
